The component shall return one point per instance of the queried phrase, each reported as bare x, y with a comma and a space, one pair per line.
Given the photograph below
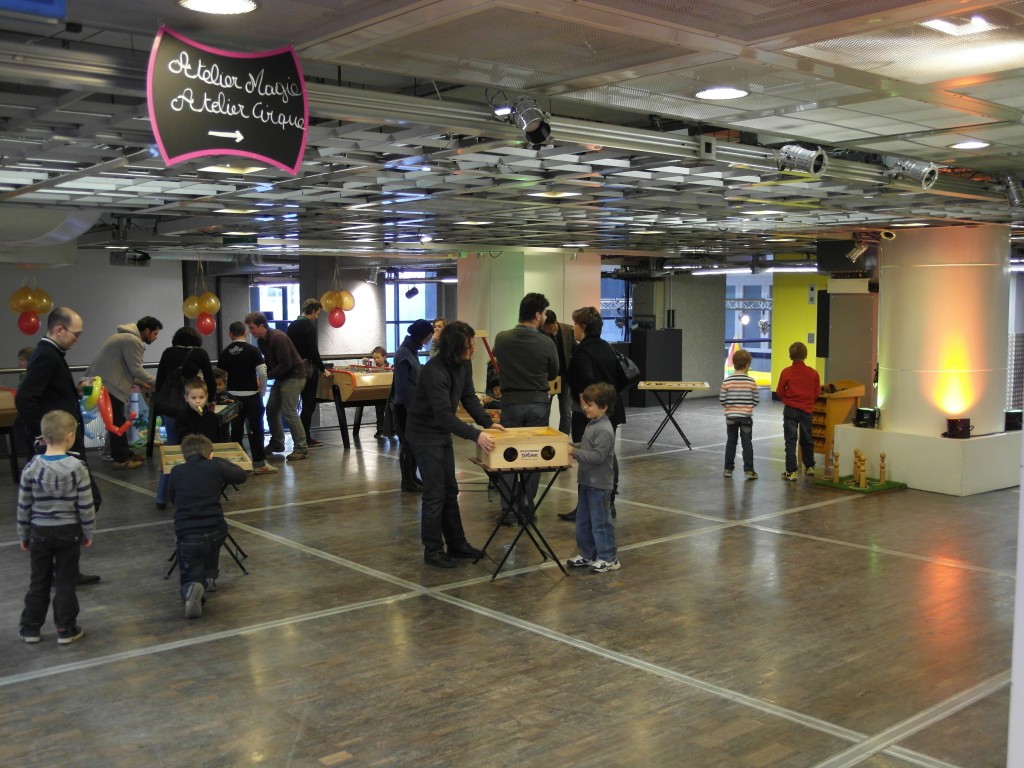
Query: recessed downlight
721, 93
220, 7
972, 144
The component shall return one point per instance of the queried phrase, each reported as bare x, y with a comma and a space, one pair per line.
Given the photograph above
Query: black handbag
170, 398
629, 372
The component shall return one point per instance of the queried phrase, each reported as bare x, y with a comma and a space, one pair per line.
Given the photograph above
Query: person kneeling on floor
199, 525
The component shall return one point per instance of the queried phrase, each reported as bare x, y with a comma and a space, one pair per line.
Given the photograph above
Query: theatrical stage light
531, 120
916, 170
856, 252
412, 292
1013, 191
793, 157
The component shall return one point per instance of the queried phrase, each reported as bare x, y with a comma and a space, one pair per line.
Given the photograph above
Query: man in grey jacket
119, 365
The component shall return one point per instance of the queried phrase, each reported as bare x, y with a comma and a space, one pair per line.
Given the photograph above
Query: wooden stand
830, 409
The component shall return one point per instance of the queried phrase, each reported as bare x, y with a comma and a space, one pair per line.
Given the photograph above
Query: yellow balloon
44, 302
22, 300
346, 300
329, 300
191, 307
209, 303
94, 395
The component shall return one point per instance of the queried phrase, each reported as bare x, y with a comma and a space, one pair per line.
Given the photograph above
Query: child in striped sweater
739, 397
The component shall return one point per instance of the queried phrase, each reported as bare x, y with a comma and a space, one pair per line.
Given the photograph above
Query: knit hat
420, 329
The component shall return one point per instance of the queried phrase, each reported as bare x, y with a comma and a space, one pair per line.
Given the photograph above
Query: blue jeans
199, 556
595, 534
741, 429
796, 426
523, 415
440, 518
172, 439
284, 399
54, 552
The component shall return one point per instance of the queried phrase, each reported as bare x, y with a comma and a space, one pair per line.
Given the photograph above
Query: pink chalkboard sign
204, 101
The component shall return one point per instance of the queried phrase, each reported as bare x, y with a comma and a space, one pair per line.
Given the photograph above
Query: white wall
104, 296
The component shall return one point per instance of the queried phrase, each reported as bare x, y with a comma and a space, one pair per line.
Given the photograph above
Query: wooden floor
754, 624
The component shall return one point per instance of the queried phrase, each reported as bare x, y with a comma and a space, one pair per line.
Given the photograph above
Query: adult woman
593, 361
187, 352
407, 373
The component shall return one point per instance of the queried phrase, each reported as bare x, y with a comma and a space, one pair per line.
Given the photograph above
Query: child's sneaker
211, 585
727, 473
750, 475
603, 566
789, 476
194, 600
809, 471
578, 562
68, 635
29, 634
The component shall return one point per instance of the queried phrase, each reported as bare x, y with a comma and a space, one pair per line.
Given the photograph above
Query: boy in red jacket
799, 387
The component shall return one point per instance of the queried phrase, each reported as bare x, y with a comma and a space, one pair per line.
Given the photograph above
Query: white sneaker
603, 566
578, 562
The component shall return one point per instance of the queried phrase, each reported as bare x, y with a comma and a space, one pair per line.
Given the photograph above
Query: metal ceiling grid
1008, 91
506, 48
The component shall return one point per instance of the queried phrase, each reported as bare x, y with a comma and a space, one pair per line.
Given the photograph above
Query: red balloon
336, 318
28, 323
205, 324
107, 414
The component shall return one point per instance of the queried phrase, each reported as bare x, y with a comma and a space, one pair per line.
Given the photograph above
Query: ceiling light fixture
916, 170
233, 169
856, 252
237, 210
372, 277
220, 7
957, 27
412, 292
531, 120
721, 93
1013, 191
793, 157
971, 144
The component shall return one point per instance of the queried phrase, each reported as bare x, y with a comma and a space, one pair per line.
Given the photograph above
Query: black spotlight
414, 291
958, 429
866, 418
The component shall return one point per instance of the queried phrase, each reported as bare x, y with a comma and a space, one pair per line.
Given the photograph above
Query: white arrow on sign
236, 135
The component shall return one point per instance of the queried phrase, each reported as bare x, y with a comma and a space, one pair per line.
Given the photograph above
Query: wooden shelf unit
830, 409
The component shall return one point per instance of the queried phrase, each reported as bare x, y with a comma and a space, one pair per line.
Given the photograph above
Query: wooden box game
170, 456
526, 448
356, 386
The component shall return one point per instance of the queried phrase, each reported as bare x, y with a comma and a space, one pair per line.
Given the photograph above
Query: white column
943, 314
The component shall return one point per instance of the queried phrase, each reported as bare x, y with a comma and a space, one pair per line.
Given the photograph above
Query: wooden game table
670, 388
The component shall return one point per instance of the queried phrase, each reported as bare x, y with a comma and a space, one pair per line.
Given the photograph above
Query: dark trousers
119, 450
199, 556
406, 458
796, 427
53, 552
440, 519
739, 430
250, 411
308, 402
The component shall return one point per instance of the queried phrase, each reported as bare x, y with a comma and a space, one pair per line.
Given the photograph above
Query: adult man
302, 332
593, 362
49, 386
287, 370
565, 342
119, 365
445, 380
247, 380
527, 361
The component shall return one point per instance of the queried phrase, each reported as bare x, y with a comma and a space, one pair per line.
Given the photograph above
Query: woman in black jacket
186, 351
593, 361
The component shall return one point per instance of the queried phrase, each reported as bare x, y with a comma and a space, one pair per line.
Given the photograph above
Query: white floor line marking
890, 736
123, 484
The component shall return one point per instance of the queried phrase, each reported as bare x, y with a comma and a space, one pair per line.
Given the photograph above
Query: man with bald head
49, 386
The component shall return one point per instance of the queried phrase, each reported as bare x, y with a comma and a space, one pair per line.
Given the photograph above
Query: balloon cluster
202, 309
336, 304
28, 303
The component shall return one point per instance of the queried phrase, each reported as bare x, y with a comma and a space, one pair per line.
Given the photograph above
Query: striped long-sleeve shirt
55, 490
738, 396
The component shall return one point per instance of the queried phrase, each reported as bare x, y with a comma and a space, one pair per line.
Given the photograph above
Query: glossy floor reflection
754, 624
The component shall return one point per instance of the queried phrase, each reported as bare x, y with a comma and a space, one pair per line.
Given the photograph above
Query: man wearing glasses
49, 386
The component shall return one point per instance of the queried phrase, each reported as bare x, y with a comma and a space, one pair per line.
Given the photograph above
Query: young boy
198, 418
221, 396
739, 397
799, 387
595, 534
55, 520
199, 526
